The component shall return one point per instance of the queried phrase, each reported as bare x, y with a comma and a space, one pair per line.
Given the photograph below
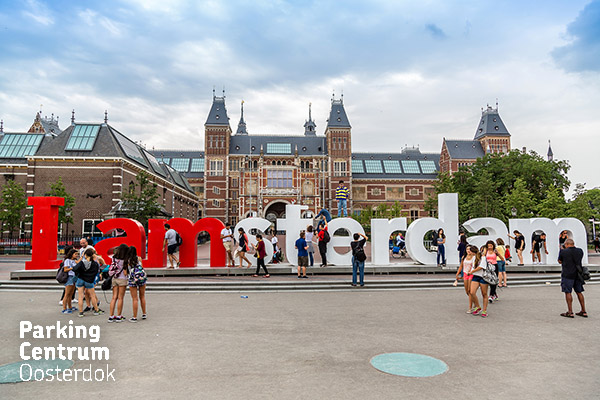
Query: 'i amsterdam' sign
150, 247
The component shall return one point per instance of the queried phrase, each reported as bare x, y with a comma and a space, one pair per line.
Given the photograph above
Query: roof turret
218, 112
309, 125
490, 124
337, 116
241, 130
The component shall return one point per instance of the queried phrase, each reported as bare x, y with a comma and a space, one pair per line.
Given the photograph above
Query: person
465, 268
84, 245
462, 246
477, 282
341, 195
118, 271
86, 271
519, 245
275, 243
322, 215
501, 263
66, 251
323, 243
227, 238
441, 250
561, 239
261, 253
539, 242
302, 247
492, 255
171, 245
311, 248
68, 263
243, 248
570, 258
136, 282
357, 246
596, 244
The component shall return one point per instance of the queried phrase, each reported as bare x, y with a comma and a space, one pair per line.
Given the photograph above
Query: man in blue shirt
302, 247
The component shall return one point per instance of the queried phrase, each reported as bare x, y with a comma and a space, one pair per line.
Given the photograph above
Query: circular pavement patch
11, 373
409, 364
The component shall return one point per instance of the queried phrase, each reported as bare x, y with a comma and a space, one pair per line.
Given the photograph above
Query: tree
585, 204
58, 189
554, 205
521, 200
12, 204
141, 201
444, 184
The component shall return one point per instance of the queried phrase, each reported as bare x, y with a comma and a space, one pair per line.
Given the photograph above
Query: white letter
262, 225
94, 333
351, 226
24, 326
292, 224
21, 373
381, 229
496, 229
22, 351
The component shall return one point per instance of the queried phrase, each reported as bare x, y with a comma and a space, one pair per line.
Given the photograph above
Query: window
216, 190
357, 167
279, 148
216, 168
279, 179
234, 195
428, 167
392, 167
83, 137
234, 209
234, 164
414, 214
255, 164
180, 164
17, 146
410, 167
373, 166
90, 227
216, 203
234, 182
197, 165
345, 142
339, 168
233, 221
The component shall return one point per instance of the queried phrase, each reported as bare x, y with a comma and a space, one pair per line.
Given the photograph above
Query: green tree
140, 202
521, 200
585, 204
396, 210
12, 204
554, 205
58, 189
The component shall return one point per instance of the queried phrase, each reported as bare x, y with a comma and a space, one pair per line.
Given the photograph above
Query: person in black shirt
358, 258
570, 258
519, 245
596, 244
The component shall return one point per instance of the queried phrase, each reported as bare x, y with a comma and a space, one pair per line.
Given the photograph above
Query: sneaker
484, 314
60, 303
120, 318
88, 308
80, 314
144, 316
470, 311
99, 312
74, 308
67, 311
74, 301
299, 277
491, 299
132, 319
305, 277
476, 311
111, 318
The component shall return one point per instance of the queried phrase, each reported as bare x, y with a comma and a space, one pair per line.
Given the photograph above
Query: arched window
283, 163
255, 164
278, 162
273, 163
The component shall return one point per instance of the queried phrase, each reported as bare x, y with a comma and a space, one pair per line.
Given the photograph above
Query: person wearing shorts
86, 271
302, 247
68, 264
136, 282
477, 282
171, 245
227, 238
465, 268
570, 258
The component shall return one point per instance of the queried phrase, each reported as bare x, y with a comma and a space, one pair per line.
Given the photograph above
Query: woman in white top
309, 241
466, 266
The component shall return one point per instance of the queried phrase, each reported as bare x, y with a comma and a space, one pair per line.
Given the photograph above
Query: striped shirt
341, 193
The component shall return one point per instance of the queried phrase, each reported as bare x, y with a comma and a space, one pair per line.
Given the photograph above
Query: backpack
360, 255
506, 253
326, 236
178, 239
61, 276
137, 275
115, 268
489, 275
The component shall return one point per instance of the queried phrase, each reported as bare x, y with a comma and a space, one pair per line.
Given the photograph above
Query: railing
22, 245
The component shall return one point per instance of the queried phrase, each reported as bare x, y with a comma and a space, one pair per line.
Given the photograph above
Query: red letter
45, 232
157, 256
188, 253
136, 236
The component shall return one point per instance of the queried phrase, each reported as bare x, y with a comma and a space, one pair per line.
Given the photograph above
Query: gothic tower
339, 148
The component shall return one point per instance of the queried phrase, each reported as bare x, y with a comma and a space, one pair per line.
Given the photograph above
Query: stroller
399, 249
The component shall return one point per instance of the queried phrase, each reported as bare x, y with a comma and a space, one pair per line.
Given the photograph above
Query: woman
519, 245
358, 257
243, 248
261, 253
86, 271
501, 263
492, 255
562, 238
311, 250
137, 282
68, 264
478, 282
441, 250
118, 271
462, 247
322, 232
466, 266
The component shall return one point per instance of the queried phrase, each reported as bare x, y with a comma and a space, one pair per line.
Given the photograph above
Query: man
302, 247
171, 244
274, 242
538, 241
323, 242
570, 258
84, 246
341, 195
227, 238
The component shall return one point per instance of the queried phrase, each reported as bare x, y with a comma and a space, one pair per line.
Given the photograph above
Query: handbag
61, 275
107, 283
489, 275
583, 273
433, 248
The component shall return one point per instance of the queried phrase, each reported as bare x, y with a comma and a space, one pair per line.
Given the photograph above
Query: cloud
38, 12
583, 51
435, 31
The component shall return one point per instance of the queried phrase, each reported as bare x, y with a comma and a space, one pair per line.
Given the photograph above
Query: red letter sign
136, 236
45, 232
188, 253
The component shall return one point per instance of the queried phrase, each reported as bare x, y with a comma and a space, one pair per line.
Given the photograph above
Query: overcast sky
411, 72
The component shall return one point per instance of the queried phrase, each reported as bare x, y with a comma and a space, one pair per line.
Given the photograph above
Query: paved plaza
318, 345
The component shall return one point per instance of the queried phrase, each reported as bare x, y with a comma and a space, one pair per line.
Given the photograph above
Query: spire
1, 126
241, 130
73, 117
310, 126
106, 116
550, 153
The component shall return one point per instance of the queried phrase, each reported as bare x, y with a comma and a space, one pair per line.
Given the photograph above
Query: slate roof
168, 157
218, 112
490, 124
396, 158
464, 149
50, 126
337, 115
307, 145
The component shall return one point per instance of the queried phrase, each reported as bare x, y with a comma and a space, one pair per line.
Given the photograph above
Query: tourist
596, 244
570, 258
491, 254
441, 250
136, 281
564, 235
84, 245
465, 268
311, 249
243, 248
68, 263
519, 245
261, 253
341, 195
302, 247
227, 238
322, 215
118, 271
501, 263
275, 243
86, 271
324, 237
462, 246
477, 282
171, 245
358, 257
66, 251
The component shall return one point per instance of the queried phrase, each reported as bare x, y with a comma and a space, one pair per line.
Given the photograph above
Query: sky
411, 73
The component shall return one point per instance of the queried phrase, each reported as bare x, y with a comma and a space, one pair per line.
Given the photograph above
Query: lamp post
593, 221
